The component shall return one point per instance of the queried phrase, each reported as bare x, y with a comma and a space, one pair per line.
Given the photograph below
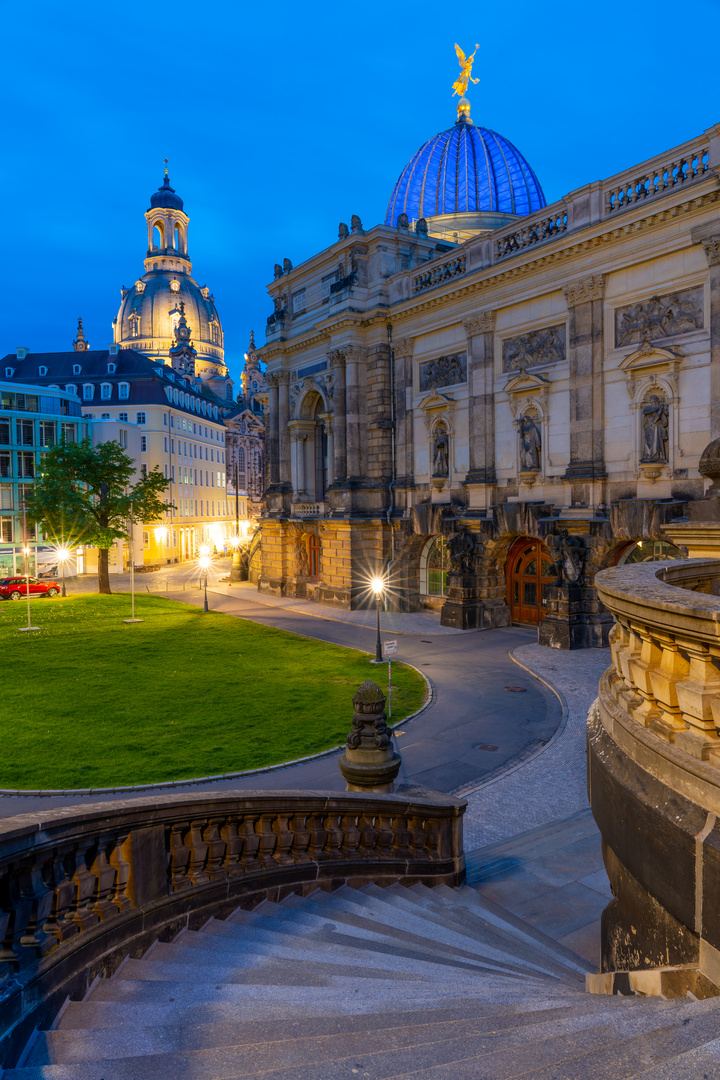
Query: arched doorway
527, 574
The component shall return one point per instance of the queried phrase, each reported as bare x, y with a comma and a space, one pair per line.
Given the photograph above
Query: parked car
14, 588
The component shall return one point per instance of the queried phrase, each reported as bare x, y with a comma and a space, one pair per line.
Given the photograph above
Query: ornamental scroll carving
659, 317
482, 323
581, 292
711, 245
545, 346
443, 371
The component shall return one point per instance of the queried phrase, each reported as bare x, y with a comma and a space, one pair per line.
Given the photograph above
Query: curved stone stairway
428, 984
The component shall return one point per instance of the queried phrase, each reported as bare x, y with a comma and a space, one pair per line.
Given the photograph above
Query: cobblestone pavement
552, 784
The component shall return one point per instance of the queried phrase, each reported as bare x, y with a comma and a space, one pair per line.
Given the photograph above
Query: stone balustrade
438, 274
84, 887
534, 230
654, 770
692, 163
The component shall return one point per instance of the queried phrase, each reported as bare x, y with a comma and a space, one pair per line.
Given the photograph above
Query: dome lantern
167, 226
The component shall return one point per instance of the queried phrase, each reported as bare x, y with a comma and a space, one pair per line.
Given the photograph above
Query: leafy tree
84, 491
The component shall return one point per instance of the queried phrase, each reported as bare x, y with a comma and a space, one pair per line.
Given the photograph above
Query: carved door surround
528, 396
652, 370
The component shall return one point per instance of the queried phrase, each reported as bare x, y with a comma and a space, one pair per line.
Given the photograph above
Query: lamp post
236, 561
63, 554
132, 568
378, 587
204, 565
26, 554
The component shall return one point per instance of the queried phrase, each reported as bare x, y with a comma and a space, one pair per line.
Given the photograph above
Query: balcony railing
691, 163
532, 232
440, 273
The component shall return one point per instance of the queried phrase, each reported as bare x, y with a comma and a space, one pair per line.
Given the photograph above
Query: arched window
647, 551
159, 235
434, 567
313, 555
179, 239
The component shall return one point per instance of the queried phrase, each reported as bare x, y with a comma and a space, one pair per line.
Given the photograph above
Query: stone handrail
690, 163
82, 888
533, 231
664, 647
437, 274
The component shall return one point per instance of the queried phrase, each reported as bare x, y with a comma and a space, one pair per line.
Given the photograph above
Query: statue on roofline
461, 83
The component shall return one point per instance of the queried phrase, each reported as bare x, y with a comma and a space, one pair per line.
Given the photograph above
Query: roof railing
690, 163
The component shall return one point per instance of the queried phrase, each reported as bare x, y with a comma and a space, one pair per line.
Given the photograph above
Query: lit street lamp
63, 554
204, 566
378, 587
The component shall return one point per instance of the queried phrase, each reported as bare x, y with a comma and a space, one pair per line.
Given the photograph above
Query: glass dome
466, 169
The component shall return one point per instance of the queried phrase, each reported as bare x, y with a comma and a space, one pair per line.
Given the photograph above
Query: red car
14, 588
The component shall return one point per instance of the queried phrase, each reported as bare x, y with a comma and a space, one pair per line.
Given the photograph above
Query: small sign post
389, 649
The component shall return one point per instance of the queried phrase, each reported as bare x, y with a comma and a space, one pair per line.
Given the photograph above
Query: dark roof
146, 377
165, 196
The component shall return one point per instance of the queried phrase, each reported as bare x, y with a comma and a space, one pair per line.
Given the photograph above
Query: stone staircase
362, 984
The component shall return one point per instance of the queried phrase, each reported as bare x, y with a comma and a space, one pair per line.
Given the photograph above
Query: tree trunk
103, 575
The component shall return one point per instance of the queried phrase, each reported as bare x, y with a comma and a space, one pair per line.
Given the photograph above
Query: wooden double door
527, 574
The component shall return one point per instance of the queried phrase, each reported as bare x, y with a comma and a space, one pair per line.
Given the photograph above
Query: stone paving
552, 784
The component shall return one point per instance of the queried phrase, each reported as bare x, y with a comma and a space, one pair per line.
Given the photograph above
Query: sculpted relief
538, 347
655, 429
659, 317
443, 371
530, 443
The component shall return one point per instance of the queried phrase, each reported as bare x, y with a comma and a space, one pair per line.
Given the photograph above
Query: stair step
700, 1064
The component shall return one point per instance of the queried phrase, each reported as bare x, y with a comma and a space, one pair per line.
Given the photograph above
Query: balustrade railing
81, 886
691, 164
437, 274
665, 647
531, 232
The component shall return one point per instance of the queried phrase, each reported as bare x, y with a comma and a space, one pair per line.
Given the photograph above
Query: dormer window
111, 369
105, 391
88, 390
123, 391
9, 372
76, 369
42, 370
71, 388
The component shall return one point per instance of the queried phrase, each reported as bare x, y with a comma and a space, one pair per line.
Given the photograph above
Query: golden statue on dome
461, 83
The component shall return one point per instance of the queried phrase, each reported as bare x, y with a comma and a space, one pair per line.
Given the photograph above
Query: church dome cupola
468, 179
165, 196
167, 226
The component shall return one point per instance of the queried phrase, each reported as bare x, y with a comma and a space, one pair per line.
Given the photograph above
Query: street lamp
63, 554
378, 587
204, 566
131, 531
26, 553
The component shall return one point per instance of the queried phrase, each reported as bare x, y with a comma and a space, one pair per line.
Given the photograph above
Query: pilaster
711, 245
481, 478
586, 470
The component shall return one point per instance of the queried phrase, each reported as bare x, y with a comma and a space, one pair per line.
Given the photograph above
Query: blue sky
282, 119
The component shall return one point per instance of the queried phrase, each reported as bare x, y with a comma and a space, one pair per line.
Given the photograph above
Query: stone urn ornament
369, 763
709, 466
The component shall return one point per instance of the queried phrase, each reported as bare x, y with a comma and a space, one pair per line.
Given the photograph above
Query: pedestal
567, 623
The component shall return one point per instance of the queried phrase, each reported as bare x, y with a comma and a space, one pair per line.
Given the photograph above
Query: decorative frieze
546, 346
581, 292
443, 371
660, 317
482, 323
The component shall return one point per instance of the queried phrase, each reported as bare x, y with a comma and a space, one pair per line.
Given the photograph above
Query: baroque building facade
489, 419
245, 437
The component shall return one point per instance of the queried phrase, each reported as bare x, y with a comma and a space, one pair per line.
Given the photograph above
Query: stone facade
559, 372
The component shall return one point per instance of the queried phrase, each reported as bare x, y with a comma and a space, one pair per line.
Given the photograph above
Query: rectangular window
172, 472
146, 539
207, 479
25, 434
26, 464
195, 450
123, 417
196, 502
4, 432
105, 391
123, 438
69, 433
172, 446
88, 392
212, 479
6, 530
123, 391
212, 455
213, 508
47, 433
166, 471
6, 497
143, 469
165, 424
202, 512
140, 418
172, 420
195, 477
165, 443
143, 443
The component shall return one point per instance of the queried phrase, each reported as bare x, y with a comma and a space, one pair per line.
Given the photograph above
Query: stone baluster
402, 839
333, 845
234, 847
368, 834
317, 837
249, 830
699, 699
418, 834
198, 853
120, 897
268, 841
664, 679
59, 923
350, 835
300, 838
216, 847
383, 825
36, 903
84, 881
104, 873
178, 858
284, 843
640, 669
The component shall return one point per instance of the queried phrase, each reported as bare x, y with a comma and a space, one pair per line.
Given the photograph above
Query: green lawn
88, 701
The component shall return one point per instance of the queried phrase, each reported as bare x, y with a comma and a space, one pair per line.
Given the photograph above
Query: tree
84, 491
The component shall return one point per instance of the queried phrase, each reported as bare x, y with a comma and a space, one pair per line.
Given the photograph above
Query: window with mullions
47, 433
4, 432
25, 432
26, 464
437, 567
5, 464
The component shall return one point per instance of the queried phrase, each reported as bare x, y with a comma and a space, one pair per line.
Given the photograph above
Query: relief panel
546, 346
443, 371
660, 317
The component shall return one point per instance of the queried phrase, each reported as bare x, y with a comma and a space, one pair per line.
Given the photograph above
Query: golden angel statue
461, 83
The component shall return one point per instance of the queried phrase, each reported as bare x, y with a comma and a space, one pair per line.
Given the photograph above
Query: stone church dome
466, 170
150, 310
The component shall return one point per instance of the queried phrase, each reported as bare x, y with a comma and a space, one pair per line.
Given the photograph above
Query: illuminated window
434, 567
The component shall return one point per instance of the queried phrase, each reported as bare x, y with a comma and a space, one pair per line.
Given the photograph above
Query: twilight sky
282, 119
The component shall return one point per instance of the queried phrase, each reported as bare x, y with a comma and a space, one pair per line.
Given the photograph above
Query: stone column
337, 364
586, 346
712, 250
480, 330
404, 446
271, 441
354, 355
283, 378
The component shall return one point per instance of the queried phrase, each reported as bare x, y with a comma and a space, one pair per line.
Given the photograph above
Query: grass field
88, 701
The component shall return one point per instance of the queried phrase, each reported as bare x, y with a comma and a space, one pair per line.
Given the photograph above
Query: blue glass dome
466, 169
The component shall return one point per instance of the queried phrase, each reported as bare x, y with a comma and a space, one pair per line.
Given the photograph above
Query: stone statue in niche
656, 427
530, 443
301, 556
441, 453
569, 559
461, 549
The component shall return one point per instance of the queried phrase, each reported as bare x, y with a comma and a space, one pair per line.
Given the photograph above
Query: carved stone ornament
403, 348
530, 443
336, 357
546, 346
710, 465
443, 371
272, 378
524, 386
482, 323
659, 317
354, 354
343, 231
569, 558
711, 244
580, 292
369, 763
462, 547
655, 430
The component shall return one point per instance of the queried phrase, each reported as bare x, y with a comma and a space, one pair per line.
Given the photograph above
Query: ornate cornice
482, 323
581, 292
711, 245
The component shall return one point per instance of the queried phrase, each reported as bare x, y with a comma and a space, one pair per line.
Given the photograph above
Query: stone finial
403, 222
343, 231
277, 271
356, 224
709, 466
369, 762
421, 227
287, 266
80, 344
